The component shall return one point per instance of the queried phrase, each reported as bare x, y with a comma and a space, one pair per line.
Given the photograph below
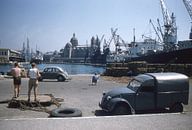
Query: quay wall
135, 68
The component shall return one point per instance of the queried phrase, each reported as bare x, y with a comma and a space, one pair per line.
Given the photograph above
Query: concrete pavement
137, 122
80, 94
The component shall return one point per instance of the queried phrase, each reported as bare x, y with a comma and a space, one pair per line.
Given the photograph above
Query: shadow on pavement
104, 113
53, 81
158, 111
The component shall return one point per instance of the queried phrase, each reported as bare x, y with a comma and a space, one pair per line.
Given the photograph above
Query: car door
48, 73
54, 73
145, 98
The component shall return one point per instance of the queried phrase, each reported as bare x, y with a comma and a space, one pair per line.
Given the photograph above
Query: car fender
114, 101
63, 74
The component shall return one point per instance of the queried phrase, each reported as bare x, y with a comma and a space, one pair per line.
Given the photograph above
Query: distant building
26, 54
47, 57
74, 41
9, 55
73, 52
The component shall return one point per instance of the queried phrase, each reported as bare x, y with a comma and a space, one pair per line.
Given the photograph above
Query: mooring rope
34, 106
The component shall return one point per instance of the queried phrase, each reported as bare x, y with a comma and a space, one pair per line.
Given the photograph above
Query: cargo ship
179, 56
166, 49
37, 57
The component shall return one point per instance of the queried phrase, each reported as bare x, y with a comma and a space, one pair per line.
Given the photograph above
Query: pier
135, 68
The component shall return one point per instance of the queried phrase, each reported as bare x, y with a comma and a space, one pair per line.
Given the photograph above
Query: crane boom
159, 28
188, 5
166, 16
155, 30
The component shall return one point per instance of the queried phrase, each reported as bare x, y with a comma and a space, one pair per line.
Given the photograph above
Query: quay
79, 93
135, 68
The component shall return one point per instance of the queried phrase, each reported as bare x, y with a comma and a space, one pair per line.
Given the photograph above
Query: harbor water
72, 69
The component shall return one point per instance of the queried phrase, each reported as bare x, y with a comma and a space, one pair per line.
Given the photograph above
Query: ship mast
170, 28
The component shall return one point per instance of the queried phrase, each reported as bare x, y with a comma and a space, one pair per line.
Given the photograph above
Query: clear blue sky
50, 24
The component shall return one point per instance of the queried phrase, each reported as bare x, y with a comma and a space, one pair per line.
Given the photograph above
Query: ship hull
183, 56
37, 61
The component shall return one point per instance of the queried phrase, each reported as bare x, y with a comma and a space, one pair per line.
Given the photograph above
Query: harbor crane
159, 28
166, 15
170, 28
107, 44
188, 5
150, 21
118, 41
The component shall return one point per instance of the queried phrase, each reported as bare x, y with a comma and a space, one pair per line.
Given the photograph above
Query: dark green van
150, 91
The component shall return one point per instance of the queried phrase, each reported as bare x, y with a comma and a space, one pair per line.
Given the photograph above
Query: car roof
53, 67
170, 81
167, 76
143, 77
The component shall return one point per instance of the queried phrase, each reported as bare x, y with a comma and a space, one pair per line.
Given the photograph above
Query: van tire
66, 112
121, 109
178, 107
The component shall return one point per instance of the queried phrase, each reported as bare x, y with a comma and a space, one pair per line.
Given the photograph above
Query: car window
134, 85
45, 70
49, 70
56, 70
53, 70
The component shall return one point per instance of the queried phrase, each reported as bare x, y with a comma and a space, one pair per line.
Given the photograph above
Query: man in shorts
16, 72
33, 75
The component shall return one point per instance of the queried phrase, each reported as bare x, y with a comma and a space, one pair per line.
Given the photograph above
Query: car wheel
60, 78
66, 112
178, 107
121, 109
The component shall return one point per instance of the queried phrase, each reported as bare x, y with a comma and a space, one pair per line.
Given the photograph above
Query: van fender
114, 101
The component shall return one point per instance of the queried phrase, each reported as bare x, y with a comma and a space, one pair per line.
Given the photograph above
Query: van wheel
178, 107
121, 110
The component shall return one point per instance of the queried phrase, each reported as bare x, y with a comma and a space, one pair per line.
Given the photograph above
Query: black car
54, 72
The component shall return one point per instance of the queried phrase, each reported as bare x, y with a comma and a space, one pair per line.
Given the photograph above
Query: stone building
73, 52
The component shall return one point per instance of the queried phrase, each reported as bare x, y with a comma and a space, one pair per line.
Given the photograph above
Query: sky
50, 24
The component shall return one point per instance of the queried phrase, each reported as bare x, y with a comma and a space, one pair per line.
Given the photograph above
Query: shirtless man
16, 72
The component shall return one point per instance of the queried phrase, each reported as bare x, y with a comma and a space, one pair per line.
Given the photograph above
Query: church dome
74, 41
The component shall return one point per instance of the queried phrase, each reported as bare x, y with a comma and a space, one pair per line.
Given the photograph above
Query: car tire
66, 112
178, 107
121, 109
60, 78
